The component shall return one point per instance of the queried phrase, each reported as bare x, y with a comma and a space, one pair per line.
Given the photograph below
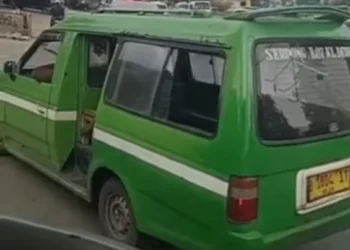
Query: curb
15, 36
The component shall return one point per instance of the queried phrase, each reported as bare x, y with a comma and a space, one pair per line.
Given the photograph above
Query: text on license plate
328, 183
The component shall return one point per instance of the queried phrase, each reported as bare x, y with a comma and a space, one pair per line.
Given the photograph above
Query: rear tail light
243, 200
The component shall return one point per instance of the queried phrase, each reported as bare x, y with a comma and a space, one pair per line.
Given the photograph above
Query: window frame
33, 48
257, 90
171, 44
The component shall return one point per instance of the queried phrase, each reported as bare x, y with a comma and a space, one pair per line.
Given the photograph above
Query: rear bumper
305, 233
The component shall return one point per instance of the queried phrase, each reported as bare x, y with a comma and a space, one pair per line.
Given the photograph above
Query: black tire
113, 201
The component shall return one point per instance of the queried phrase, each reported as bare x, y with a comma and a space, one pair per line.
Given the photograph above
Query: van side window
139, 68
41, 57
100, 53
175, 86
206, 68
189, 92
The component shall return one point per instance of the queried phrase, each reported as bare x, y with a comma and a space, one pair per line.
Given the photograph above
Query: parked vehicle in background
192, 130
117, 6
194, 5
160, 5
200, 5
84, 4
80, 4
182, 5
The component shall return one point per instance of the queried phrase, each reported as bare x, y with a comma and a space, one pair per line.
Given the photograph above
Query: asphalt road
11, 50
27, 194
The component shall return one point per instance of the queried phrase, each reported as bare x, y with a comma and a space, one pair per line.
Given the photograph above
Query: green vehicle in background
208, 133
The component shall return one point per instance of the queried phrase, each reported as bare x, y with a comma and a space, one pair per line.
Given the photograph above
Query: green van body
177, 180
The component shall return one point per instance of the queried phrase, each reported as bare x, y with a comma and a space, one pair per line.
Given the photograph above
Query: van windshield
304, 89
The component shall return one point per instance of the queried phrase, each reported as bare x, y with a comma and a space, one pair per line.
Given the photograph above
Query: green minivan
209, 133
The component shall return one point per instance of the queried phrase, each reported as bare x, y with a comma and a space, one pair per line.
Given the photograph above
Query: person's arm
44, 73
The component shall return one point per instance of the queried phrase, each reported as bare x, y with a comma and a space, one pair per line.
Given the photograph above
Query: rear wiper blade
311, 68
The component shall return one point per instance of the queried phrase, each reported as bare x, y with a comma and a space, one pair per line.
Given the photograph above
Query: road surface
13, 49
27, 194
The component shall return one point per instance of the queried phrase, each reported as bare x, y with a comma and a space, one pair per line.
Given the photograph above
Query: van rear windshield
303, 89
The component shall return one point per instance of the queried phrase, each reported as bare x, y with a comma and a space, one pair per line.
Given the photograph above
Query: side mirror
10, 67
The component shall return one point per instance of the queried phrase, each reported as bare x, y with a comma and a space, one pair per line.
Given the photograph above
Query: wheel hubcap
118, 216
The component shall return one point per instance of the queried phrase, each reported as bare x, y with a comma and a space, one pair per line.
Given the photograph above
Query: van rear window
304, 89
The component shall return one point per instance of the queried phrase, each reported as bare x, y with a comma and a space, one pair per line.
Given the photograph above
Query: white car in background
160, 5
121, 5
182, 5
200, 5
195, 5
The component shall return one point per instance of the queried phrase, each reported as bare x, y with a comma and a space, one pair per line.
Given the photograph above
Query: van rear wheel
116, 213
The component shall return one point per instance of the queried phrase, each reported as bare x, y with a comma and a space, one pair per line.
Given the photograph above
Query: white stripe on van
192, 175
178, 169
40, 110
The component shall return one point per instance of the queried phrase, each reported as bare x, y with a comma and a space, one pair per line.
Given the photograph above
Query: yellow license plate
328, 183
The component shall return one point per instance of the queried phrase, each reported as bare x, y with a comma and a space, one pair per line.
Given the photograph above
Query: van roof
214, 30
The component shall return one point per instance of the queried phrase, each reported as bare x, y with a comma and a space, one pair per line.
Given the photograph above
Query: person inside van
99, 59
44, 73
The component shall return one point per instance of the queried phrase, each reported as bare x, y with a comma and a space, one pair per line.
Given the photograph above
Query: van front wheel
116, 214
